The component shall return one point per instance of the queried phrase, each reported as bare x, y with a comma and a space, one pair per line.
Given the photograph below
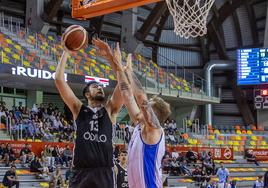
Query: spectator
205, 177
223, 174
9, 155
166, 163
56, 154
36, 166
67, 155
47, 156
175, 170
10, 179
251, 157
68, 174
2, 151
26, 154
259, 182
197, 175
56, 179
232, 184
190, 156
203, 155
266, 180
184, 169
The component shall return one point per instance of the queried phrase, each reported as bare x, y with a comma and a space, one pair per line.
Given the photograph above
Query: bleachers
243, 172
40, 51
28, 179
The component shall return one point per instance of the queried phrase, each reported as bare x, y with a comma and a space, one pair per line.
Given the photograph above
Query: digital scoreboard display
252, 66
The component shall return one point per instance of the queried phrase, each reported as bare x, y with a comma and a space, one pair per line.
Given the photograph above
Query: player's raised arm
141, 97
64, 89
113, 104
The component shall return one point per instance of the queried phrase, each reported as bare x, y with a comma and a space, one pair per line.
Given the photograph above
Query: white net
190, 16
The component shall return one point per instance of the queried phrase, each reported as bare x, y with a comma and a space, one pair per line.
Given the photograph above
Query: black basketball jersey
93, 144
121, 177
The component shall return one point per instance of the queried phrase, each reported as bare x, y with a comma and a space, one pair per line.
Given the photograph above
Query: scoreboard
252, 66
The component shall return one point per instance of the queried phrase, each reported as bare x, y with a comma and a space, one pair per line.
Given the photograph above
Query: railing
197, 84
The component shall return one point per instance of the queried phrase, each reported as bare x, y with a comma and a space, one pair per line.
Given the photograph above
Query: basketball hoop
190, 16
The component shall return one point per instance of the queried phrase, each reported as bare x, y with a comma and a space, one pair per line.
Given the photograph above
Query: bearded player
147, 145
93, 152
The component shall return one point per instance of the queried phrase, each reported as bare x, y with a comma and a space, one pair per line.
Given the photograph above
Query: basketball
75, 38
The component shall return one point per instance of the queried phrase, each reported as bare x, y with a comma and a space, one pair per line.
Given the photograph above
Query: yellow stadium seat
249, 132
253, 138
238, 132
217, 131
252, 143
97, 70
26, 63
93, 61
52, 68
50, 37
236, 143
235, 148
6, 60
16, 56
263, 143
86, 68
111, 76
18, 47
7, 50
102, 66
179, 87
238, 138
9, 41
230, 143
211, 137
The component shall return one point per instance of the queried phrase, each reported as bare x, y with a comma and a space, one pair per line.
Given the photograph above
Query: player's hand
117, 58
103, 50
128, 66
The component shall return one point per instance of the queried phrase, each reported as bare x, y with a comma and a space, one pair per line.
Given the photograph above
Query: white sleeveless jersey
144, 162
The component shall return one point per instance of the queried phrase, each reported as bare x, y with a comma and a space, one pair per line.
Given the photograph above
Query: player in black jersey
93, 152
121, 171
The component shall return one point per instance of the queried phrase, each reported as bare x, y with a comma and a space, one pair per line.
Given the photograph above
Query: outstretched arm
113, 105
141, 96
64, 89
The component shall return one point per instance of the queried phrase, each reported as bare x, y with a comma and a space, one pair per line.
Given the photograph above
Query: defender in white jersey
147, 147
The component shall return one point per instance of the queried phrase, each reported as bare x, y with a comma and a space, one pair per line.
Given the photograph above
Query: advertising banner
217, 153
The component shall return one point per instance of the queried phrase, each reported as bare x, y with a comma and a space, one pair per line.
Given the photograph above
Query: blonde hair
160, 108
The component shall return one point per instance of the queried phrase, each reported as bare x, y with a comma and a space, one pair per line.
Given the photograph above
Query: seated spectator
36, 166
47, 156
10, 179
197, 175
26, 155
205, 176
184, 169
251, 157
172, 139
175, 170
259, 182
166, 163
2, 151
56, 178
9, 155
67, 155
190, 156
203, 155
56, 154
